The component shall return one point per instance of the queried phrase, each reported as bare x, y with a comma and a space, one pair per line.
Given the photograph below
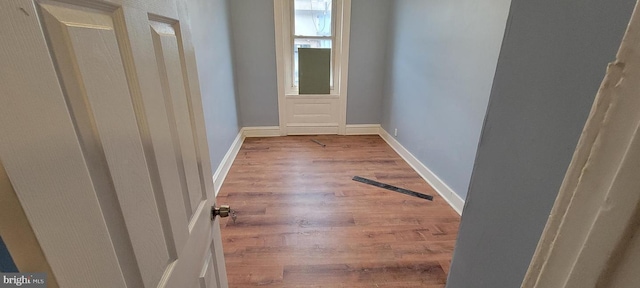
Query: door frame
596, 211
287, 98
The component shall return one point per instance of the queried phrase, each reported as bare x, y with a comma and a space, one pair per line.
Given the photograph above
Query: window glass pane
312, 17
308, 43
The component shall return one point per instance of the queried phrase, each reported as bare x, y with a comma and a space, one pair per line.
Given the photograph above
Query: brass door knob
223, 211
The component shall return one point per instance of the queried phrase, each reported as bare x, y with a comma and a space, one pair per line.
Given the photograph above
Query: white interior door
103, 139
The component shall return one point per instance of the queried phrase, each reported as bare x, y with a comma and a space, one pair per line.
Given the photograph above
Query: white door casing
591, 237
312, 114
103, 140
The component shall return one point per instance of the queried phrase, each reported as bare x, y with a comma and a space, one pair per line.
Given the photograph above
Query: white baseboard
227, 161
363, 129
273, 131
445, 191
261, 131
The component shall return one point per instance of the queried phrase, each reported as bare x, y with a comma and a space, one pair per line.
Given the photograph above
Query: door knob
223, 211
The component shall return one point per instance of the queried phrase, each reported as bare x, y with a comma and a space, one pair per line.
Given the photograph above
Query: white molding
261, 131
312, 129
363, 129
227, 161
344, 62
440, 186
313, 96
281, 70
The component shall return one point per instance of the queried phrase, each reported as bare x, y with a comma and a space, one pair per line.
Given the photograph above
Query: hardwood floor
302, 221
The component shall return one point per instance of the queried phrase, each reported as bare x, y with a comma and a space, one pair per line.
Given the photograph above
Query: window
313, 27
311, 24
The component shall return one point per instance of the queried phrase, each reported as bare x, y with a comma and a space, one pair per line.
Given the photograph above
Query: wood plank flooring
302, 221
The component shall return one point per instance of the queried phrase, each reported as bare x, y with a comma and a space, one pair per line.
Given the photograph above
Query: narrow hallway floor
302, 221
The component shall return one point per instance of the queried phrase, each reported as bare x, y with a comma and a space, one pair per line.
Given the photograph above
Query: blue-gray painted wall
441, 61
553, 59
367, 65
212, 44
252, 26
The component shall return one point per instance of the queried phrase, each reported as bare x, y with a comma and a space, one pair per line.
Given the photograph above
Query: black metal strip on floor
392, 188
319, 143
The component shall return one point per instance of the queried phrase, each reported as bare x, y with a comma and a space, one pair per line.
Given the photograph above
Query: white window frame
284, 36
335, 34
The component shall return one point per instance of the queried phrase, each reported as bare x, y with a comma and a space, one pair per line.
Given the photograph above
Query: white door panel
169, 63
103, 141
208, 274
85, 46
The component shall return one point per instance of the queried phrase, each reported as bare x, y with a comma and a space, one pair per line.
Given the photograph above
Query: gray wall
252, 26
552, 62
441, 58
367, 66
253, 30
211, 41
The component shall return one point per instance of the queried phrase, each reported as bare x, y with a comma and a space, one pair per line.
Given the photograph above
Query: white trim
344, 62
261, 131
312, 129
312, 96
278, 11
440, 186
363, 129
227, 161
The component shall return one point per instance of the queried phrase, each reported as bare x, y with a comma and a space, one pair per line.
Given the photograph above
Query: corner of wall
456, 202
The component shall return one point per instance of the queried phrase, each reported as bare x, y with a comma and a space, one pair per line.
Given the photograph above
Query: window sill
306, 96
